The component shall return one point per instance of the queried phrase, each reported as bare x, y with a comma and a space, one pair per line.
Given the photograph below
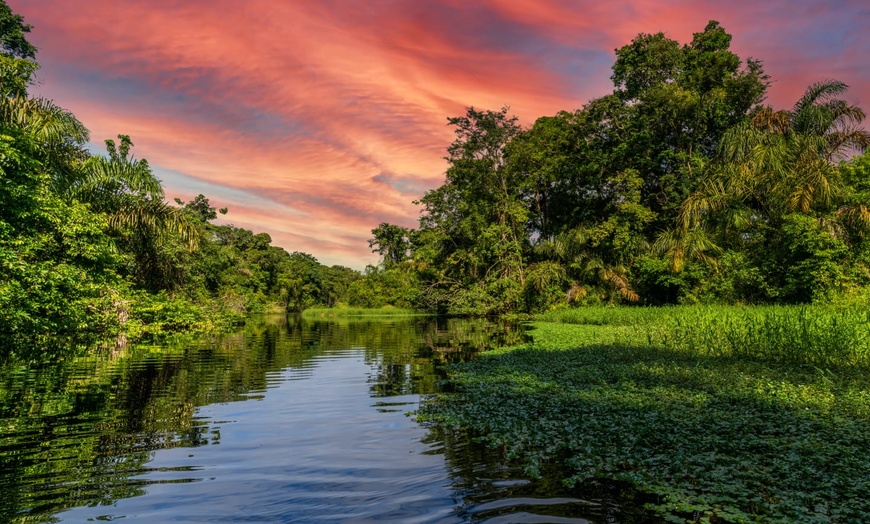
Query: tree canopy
679, 186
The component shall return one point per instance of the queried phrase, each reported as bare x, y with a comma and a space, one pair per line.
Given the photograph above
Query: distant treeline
680, 186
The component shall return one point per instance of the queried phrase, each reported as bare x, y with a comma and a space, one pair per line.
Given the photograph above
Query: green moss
722, 414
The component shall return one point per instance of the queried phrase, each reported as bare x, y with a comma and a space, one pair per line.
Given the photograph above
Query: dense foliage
678, 187
90, 249
723, 414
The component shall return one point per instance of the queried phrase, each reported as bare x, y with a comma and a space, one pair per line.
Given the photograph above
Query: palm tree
56, 135
129, 193
126, 190
123, 189
773, 164
571, 254
679, 246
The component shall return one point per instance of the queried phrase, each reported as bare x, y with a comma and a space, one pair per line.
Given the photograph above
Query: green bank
720, 414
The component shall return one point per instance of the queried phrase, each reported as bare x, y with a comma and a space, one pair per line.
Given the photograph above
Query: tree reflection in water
86, 431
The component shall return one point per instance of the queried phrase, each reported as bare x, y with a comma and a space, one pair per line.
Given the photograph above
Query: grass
359, 312
721, 414
820, 336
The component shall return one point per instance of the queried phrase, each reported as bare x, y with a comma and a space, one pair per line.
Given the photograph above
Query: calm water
291, 420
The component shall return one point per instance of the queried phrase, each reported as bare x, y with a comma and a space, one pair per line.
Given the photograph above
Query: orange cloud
316, 120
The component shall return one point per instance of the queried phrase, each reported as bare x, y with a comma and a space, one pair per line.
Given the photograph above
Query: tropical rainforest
91, 250
680, 186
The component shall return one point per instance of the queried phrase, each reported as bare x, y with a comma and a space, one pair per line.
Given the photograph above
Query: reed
820, 336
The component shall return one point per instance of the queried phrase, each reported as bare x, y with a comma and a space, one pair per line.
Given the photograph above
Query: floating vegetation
722, 414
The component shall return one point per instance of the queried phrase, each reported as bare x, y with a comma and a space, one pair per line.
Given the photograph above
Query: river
289, 420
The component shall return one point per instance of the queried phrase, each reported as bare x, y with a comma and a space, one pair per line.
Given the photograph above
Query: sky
316, 120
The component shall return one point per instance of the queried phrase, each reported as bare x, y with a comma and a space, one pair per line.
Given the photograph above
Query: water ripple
286, 422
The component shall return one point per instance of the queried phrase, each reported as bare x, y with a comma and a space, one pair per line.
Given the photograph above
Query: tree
200, 208
781, 162
17, 54
560, 166
773, 174
57, 266
391, 242
682, 100
473, 228
128, 193
597, 255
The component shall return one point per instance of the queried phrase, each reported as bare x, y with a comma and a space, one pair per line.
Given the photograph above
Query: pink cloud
332, 114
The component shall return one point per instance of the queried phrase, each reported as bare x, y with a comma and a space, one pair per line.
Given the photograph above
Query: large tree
473, 228
682, 100
391, 242
775, 189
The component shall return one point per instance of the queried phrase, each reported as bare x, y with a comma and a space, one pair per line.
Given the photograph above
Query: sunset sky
315, 120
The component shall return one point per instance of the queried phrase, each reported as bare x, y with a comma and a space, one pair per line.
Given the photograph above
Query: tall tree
774, 191
781, 162
473, 228
682, 99
390, 241
128, 193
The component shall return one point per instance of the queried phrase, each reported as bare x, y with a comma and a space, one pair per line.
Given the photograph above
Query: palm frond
576, 292
617, 278
711, 196
153, 218
819, 92
771, 121
679, 247
103, 175
856, 216
544, 274
43, 120
842, 112
847, 138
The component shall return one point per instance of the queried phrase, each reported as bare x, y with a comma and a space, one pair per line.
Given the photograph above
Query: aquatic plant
720, 414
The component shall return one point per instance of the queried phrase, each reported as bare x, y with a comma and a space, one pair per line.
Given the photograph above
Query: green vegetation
360, 312
679, 187
722, 414
91, 252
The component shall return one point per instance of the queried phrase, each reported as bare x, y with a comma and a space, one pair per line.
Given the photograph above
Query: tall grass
820, 336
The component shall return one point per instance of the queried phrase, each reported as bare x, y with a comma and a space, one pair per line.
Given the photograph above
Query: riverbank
721, 414
345, 312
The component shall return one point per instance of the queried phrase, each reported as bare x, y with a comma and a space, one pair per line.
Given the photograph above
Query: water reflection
288, 420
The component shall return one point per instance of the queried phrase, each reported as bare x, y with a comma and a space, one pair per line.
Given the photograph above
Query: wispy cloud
316, 120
